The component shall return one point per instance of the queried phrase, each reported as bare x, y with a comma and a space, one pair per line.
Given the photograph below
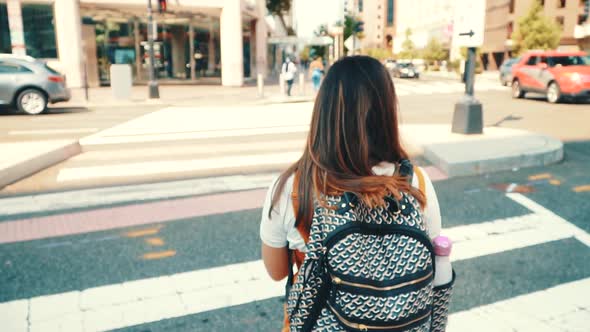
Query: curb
35, 163
479, 157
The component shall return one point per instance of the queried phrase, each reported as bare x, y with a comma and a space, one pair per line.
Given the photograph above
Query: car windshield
406, 65
570, 60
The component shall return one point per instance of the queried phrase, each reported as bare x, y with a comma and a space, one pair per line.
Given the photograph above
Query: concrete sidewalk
189, 140
190, 94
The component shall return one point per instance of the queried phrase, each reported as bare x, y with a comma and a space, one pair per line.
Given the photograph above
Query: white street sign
352, 42
469, 22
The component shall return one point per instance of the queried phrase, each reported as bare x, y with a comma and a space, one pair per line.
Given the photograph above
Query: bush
378, 53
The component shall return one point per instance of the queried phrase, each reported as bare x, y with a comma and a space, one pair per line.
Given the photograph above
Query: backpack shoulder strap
303, 231
421, 182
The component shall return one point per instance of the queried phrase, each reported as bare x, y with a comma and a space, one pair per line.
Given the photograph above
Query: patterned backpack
368, 269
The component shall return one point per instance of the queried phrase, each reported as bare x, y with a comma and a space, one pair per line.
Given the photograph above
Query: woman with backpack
360, 223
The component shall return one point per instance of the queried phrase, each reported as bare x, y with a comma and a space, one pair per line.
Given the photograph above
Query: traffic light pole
154, 92
468, 116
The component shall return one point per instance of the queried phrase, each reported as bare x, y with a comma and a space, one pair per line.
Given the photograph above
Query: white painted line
561, 308
148, 300
176, 166
53, 131
88, 198
179, 136
577, 232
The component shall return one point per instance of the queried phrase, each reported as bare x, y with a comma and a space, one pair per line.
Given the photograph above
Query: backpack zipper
365, 327
339, 281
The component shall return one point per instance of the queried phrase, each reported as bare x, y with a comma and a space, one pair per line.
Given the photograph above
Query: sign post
468, 31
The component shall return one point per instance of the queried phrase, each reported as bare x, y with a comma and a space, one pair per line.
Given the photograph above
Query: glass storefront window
39, 30
5, 45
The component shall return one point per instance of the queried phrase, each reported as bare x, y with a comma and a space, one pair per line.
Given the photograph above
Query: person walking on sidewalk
316, 71
289, 70
359, 221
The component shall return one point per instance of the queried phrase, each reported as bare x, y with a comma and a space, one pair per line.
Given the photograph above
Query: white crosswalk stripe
169, 296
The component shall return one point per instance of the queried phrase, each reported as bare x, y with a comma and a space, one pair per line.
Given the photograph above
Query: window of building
360, 5
39, 30
390, 9
509, 29
5, 44
543, 3
581, 19
511, 6
378, 36
559, 20
561, 4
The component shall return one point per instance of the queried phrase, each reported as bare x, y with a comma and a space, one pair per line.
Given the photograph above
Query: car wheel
553, 93
517, 90
32, 102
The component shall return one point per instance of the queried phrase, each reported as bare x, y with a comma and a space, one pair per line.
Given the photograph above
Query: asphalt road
58, 265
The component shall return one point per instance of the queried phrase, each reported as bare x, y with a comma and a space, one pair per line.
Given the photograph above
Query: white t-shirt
289, 70
278, 230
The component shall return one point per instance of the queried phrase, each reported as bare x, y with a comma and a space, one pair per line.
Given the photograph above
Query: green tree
408, 48
280, 8
434, 51
536, 31
349, 26
379, 53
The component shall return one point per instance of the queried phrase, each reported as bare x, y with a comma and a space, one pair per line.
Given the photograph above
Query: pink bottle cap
442, 245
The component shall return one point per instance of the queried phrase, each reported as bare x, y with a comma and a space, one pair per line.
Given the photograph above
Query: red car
557, 74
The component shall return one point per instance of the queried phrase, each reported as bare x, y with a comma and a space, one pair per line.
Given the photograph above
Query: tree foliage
280, 8
536, 31
434, 51
379, 53
408, 48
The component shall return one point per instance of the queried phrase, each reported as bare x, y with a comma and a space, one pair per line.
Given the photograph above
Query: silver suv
29, 84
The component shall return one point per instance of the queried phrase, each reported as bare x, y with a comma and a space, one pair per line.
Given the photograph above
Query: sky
309, 14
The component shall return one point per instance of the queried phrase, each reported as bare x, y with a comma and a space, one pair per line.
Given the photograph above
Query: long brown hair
354, 126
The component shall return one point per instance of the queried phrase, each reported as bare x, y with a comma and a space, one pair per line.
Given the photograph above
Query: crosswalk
508, 277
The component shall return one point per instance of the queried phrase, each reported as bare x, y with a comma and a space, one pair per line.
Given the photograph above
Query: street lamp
153, 90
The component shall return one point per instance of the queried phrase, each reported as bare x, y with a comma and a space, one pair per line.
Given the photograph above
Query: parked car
389, 64
556, 74
506, 70
406, 70
29, 84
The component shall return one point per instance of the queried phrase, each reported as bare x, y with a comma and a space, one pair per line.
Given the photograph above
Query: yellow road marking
580, 189
555, 182
155, 241
159, 255
143, 232
541, 176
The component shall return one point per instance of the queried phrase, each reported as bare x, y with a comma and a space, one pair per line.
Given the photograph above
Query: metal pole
468, 115
191, 53
154, 93
470, 71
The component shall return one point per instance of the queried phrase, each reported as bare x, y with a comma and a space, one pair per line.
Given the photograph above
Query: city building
426, 19
215, 41
379, 17
502, 18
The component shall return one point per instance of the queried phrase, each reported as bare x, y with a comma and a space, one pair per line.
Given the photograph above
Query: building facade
215, 41
426, 19
502, 19
379, 17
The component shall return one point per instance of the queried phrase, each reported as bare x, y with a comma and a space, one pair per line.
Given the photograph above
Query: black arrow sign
470, 33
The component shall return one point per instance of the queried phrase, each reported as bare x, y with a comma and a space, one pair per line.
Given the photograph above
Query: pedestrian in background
316, 71
289, 70
352, 214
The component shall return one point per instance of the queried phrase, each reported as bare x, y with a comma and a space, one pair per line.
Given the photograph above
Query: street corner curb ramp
497, 149
22, 159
